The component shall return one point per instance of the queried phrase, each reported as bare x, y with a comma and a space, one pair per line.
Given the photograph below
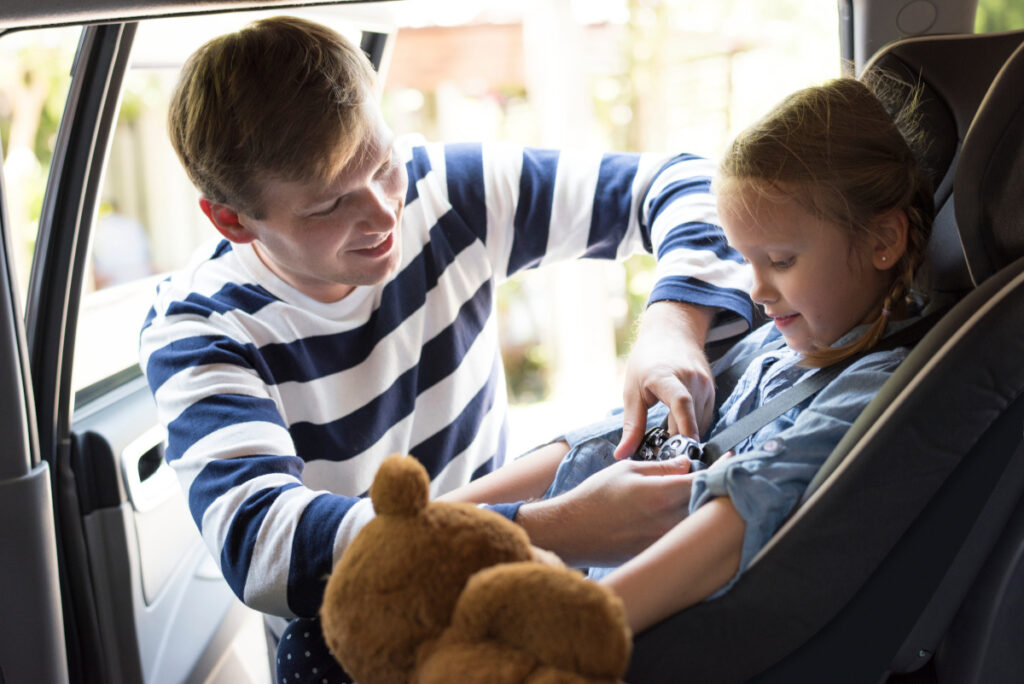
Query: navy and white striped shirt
280, 408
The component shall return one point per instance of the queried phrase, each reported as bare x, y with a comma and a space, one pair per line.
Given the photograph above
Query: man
349, 313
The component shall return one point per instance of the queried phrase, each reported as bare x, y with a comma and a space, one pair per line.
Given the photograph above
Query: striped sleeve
535, 206
695, 263
274, 539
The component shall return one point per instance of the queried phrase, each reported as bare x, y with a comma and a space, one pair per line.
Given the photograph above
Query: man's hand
667, 364
613, 514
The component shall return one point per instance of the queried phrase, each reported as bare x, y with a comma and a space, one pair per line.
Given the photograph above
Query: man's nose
382, 209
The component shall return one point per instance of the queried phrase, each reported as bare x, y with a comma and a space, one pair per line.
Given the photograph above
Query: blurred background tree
33, 85
998, 15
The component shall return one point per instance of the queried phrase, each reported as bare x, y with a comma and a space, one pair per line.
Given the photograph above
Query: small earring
884, 258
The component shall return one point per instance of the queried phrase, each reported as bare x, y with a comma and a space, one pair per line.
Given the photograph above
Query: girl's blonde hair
838, 152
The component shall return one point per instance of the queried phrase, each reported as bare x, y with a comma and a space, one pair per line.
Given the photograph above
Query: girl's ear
889, 241
225, 219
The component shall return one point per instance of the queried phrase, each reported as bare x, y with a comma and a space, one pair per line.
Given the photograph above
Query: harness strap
729, 368
811, 385
766, 413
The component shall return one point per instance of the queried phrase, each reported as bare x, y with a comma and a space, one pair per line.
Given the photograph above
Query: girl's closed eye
783, 264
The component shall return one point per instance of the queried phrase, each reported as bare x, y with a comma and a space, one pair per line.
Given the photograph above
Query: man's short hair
280, 98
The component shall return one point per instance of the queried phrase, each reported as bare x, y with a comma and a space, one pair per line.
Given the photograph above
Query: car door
105, 576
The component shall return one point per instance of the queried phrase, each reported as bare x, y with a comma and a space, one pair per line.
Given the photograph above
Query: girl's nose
761, 290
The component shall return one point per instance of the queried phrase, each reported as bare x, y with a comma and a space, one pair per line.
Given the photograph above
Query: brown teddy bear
433, 592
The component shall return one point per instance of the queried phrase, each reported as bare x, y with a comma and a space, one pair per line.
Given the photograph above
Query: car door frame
31, 619
52, 305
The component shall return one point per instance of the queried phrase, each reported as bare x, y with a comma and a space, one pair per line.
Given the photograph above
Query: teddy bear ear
401, 487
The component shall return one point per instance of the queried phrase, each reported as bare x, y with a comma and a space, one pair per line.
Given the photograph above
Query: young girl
827, 202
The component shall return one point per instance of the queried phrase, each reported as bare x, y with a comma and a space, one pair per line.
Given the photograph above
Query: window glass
35, 73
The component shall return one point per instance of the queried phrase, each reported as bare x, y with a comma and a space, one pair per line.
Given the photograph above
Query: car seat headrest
952, 74
989, 184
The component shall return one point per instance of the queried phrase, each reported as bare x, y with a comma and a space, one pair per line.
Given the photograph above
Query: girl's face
812, 279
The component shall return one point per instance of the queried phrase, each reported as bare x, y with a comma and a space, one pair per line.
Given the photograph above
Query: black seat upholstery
953, 74
983, 643
866, 577
990, 179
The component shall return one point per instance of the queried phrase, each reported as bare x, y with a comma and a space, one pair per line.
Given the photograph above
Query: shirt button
771, 446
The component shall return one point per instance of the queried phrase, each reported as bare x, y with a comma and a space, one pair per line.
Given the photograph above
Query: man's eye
388, 166
329, 210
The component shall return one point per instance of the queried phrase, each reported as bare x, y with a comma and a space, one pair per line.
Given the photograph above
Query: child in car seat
828, 203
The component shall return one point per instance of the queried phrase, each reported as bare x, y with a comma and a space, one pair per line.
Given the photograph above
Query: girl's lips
379, 250
782, 321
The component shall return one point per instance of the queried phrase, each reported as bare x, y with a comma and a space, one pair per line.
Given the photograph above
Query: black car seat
983, 644
909, 515
953, 74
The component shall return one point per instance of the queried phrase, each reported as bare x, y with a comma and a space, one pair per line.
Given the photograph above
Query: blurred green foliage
999, 15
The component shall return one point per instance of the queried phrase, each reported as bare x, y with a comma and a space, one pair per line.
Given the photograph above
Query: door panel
155, 583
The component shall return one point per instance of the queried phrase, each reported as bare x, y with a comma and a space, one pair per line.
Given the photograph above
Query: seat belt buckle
658, 445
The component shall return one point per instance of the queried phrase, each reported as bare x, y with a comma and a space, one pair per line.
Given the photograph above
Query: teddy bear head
396, 585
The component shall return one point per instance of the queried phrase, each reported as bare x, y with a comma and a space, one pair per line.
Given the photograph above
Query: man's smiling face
325, 240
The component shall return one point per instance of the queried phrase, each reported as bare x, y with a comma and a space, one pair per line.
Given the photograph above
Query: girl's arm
694, 559
523, 479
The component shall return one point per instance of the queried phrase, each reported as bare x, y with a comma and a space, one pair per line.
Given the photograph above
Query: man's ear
890, 238
225, 219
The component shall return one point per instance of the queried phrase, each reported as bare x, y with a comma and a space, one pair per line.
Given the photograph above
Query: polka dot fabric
303, 657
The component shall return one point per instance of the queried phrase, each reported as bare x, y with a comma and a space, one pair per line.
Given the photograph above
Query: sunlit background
674, 75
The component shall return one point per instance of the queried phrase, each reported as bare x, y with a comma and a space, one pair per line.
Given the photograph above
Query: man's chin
380, 273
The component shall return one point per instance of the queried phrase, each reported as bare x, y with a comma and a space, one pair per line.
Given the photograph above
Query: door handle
149, 481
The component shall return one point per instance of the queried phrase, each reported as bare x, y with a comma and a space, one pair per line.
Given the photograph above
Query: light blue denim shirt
771, 469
